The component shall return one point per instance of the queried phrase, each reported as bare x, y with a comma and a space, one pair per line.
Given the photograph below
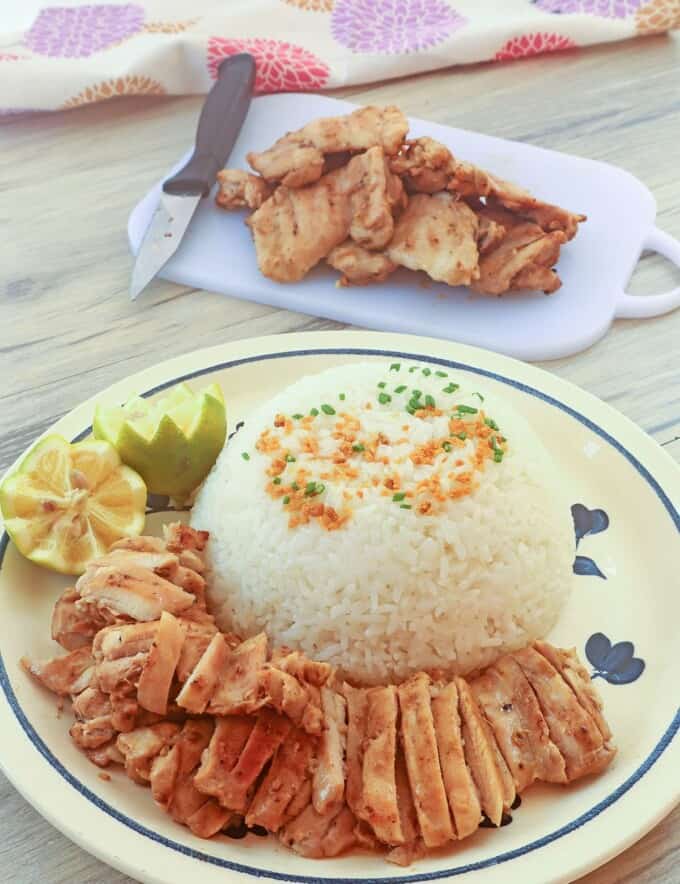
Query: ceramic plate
622, 618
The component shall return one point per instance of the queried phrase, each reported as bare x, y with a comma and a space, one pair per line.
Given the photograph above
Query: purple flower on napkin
604, 8
65, 32
393, 26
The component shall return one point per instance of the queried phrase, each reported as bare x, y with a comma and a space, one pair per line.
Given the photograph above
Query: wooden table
69, 330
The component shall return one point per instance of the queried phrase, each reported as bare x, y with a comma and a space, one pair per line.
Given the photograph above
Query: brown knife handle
220, 122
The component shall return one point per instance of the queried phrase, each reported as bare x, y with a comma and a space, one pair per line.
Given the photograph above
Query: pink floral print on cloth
533, 44
281, 67
605, 8
76, 32
393, 26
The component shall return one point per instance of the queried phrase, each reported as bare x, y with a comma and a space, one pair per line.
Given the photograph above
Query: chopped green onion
327, 409
395, 366
382, 385
427, 372
479, 396
446, 446
310, 488
412, 369
286, 500
290, 458
276, 481
494, 444
400, 388
490, 423
298, 417
314, 412
441, 374
405, 506
429, 401
415, 405
245, 455
462, 436
466, 409
451, 388
295, 486
416, 393
498, 456
341, 397
384, 398
358, 447
400, 495
410, 409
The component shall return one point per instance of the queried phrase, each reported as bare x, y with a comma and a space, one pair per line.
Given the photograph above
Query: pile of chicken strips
231, 734
355, 192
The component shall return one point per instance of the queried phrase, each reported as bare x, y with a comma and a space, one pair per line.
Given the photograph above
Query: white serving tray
217, 252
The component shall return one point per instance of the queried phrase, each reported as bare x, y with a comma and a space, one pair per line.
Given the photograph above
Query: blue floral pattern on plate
616, 663
587, 521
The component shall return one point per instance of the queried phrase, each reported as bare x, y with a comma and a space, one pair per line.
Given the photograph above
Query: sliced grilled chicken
239, 688
71, 627
479, 754
379, 796
265, 738
422, 761
197, 637
200, 686
65, 675
180, 537
158, 671
284, 693
460, 786
140, 747
288, 771
576, 676
209, 819
124, 640
573, 731
133, 591
413, 846
329, 777
122, 675
299, 801
549, 762
340, 835
356, 731
161, 562
172, 774
301, 667
306, 833
226, 744
105, 755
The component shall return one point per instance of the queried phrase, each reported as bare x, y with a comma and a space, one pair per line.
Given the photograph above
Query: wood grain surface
69, 180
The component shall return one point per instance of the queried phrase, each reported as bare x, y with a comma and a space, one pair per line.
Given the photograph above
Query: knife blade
220, 122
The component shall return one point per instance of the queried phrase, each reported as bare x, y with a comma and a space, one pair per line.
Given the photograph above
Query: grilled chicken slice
424, 164
283, 781
124, 640
71, 627
197, 637
162, 563
65, 675
209, 819
93, 726
358, 265
329, 776
301, 667
340, 835
145, 543
460, 787
479, 754
156, 677
567, 663
413, 846
133, 592
572, 729
513, 740
376, 196
226, 745
306, 833
241, 190
379, 805
265, 738
172, 774
357, 701
422, 761
122, 675
297, 158
549, 763
238, 690
140, 747
105, 755
180, 537
299, 801
286, 694
437, 234
200, 686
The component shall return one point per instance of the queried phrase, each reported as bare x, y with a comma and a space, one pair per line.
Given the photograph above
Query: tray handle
641, 307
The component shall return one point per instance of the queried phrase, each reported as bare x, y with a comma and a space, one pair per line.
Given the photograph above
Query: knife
220, 122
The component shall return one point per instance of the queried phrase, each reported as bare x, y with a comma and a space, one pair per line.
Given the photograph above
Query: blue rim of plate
594, 811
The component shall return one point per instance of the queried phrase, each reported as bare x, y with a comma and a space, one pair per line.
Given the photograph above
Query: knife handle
221, 119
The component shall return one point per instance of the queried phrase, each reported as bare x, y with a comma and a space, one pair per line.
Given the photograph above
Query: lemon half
65, 504
171, 442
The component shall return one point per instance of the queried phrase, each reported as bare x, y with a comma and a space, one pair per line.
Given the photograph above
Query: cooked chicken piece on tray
359, 266
241, 190
424, 164
298, 157
437, 234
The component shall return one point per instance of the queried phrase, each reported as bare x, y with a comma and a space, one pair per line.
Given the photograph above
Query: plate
217, 252
625, 590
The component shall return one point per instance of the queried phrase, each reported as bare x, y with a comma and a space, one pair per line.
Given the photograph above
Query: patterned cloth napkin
78, 53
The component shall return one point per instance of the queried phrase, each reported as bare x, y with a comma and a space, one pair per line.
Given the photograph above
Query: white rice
391, 591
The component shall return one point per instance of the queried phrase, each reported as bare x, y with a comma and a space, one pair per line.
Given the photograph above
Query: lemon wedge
171, 442
65, 504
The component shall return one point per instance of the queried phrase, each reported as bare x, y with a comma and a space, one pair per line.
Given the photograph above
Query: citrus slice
171, 442
65, 504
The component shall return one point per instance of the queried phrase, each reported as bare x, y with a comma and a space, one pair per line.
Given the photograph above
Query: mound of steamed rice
391, 591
